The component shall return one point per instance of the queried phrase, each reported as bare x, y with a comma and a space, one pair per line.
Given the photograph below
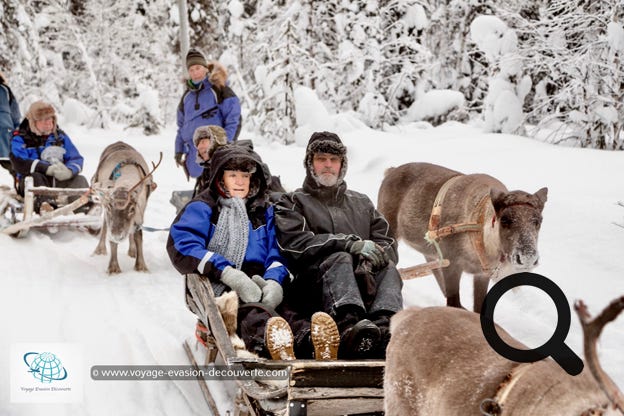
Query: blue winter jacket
9, 119
201, 106
195, 225
191, 232
26, 148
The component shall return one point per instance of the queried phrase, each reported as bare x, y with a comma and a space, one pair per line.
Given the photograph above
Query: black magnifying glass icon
555, 346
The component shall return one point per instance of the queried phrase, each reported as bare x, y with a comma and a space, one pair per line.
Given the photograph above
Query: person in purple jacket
208, 100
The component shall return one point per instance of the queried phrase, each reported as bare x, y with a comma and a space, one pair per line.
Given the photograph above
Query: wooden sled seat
63, 216
313, 387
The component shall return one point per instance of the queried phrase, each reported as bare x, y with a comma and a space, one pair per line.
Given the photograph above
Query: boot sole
279, 339
325, 337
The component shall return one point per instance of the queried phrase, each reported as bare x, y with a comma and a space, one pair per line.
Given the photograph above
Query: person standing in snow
341, 254
208, 100
40, 149
10, 118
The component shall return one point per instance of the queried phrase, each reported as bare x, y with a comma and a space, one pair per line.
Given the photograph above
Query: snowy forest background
557, 64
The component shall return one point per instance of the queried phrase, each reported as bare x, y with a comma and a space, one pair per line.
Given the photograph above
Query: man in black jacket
340, 251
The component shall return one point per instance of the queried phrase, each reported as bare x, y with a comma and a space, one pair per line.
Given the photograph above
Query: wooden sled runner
19, 216
313, 387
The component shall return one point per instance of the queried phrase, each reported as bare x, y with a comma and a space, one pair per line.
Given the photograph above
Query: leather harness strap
435, 233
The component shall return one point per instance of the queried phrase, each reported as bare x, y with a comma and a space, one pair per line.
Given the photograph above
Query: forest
558, 62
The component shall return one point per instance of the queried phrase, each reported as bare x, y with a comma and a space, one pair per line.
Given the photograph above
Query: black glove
370, 251
179, 159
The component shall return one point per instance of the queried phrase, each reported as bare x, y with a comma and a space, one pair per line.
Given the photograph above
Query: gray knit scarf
232, 231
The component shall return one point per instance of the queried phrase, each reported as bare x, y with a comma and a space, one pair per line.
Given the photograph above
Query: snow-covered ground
53, 291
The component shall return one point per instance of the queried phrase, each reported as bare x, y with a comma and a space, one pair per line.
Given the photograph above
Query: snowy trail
53, 290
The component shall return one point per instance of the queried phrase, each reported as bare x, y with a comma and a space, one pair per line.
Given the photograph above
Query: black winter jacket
316, 221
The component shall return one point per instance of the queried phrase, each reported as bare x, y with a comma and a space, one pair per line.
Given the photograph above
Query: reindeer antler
155, 166
591, 331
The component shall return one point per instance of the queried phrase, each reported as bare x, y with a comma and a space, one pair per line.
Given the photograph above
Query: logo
45, 367
555, 346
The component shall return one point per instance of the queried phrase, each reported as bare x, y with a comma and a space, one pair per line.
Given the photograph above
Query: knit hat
195, 57
325, 142
40, 110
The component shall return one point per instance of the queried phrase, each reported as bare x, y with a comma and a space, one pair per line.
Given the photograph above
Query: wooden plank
40, 220
49, 191
424, 269
338, 407
202, 383
312, 393
202, 293
338, 375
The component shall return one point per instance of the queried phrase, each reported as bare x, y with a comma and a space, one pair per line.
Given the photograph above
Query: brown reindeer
471, 220
122, 181
439, 363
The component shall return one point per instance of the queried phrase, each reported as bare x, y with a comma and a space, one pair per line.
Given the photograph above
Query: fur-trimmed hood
225, 156
325, 142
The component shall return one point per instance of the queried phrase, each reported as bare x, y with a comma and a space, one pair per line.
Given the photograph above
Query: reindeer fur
406, 198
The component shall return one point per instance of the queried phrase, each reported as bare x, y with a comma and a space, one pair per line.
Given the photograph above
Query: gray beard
327, 180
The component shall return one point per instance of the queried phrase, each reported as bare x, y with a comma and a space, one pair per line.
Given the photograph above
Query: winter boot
360, 341
279, 339
325, 336
382, 320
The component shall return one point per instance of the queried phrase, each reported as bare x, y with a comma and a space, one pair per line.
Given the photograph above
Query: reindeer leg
448, 280
480, 285
101, 247
113, 264
132, 249
139, 264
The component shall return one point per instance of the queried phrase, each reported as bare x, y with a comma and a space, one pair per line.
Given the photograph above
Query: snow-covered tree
574, 55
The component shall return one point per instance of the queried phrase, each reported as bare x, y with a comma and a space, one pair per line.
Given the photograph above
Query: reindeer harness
496, 406
435, 233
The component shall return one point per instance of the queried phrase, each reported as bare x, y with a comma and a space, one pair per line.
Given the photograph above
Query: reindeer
122, 181
471, 220
439, 363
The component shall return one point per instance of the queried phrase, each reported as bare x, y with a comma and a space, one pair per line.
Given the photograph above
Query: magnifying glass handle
568, 360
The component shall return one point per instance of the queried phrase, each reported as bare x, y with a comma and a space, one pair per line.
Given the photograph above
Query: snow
434, 103
52, 290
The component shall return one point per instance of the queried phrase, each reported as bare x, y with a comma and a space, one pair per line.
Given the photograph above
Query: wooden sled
313, 387
19, 215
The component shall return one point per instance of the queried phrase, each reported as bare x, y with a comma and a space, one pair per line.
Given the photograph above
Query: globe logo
45, 367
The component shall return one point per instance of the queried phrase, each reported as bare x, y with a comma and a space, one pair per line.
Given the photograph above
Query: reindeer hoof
113, 270
99, 252
141, 268
132, 254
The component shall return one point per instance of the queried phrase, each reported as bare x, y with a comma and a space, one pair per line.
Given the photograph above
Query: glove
239, 282
370, 251
62, 172
272, 292
51, 170
179, 159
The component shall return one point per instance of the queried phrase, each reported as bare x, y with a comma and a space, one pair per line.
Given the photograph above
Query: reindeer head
518, 218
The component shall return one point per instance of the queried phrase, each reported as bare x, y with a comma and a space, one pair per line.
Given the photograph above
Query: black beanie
195, 57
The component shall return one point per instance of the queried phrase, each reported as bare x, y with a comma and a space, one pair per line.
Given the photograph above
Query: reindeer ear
542, 196
153, 186
498, 199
